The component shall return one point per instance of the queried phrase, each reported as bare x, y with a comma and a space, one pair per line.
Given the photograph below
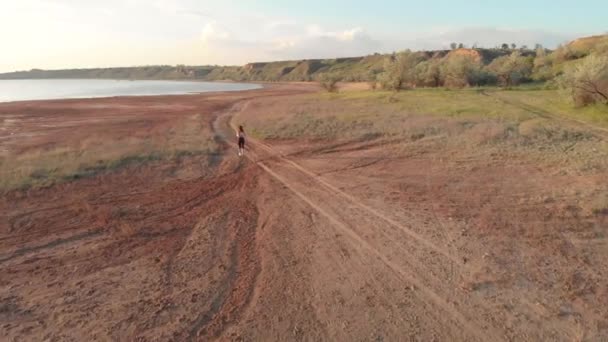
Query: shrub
329, 82
587, 81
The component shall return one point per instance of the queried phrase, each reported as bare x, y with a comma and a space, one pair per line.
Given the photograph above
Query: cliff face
472, 53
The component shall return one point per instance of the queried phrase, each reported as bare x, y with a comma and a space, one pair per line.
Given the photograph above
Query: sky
54, 34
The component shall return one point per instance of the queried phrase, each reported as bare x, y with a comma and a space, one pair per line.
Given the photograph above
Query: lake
22, 90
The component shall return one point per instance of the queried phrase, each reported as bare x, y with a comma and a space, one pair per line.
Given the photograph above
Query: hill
364, 68
143, 72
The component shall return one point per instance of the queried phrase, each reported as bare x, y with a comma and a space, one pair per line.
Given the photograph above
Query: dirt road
401, 277
289, 243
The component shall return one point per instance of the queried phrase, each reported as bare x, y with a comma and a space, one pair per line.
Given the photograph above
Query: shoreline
87, 97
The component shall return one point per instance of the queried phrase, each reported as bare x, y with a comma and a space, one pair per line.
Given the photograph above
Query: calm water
20, 90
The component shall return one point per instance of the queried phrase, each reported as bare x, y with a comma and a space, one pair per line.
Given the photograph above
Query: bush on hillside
587, 81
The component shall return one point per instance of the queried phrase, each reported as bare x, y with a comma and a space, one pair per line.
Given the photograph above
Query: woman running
240, 134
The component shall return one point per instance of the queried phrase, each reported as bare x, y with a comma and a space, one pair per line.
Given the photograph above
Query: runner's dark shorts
241, 142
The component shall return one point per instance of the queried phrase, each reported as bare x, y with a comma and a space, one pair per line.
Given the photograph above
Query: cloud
327, 47
346, 35
213, 32
299, 43
350, 35
319, 43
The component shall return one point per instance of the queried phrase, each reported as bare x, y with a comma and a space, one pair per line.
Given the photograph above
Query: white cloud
299, 43
350, 35
213, 32
282, 45
346, 35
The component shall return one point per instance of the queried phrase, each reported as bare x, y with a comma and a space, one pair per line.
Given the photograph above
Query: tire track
548, 115
424, 241
430, 295
55, 243
413, 260
418, 271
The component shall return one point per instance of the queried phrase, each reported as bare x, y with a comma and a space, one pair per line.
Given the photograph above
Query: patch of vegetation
188, 137
586, 82
111, 165
329, 83
502, 120
550, 102
600, 207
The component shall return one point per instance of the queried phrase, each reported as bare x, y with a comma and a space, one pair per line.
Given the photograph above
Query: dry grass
66, 161
468, 119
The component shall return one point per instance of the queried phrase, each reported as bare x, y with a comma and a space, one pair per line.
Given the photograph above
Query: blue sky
557, 15
89, 33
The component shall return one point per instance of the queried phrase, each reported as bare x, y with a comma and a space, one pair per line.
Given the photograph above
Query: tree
400, 70
461, 46
537, 46
505, 46
587, 81
511, 69
460, 71
453, 46
513, 46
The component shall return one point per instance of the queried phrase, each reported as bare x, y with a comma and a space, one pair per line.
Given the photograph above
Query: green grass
438, 102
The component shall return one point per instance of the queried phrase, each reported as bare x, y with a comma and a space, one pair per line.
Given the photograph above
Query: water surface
21, 90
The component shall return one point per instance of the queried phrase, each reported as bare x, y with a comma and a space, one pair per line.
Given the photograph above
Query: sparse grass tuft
600, 206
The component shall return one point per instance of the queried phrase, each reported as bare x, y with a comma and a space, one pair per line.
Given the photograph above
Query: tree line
582, 75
